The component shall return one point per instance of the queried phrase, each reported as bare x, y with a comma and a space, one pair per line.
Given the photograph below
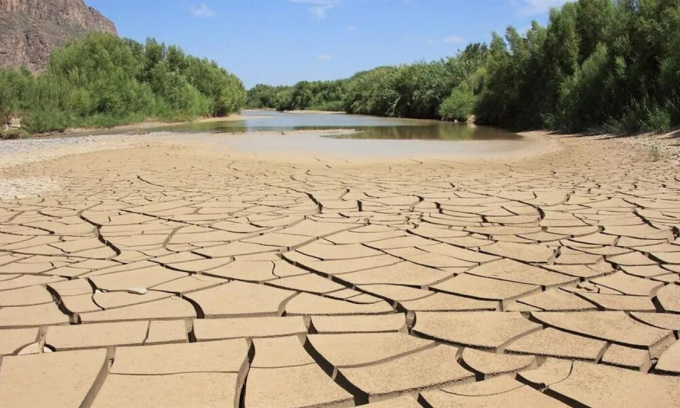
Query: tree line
102, 80
305, 95
599, 65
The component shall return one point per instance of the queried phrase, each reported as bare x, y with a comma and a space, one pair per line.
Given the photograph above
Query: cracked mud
181, 274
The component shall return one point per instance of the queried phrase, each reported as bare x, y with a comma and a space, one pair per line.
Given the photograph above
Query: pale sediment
174, 270
19, 152
15, 153
26, 187
658, 147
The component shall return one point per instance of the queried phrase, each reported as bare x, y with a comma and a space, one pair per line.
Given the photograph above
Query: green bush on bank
598, 65
103, 81
305, 95
460, 105
13, 134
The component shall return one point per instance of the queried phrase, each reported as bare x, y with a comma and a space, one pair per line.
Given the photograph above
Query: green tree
102, 80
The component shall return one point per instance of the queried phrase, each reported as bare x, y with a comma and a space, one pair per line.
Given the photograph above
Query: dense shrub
13, 134
640, 116
102, 81
600, 65
459, 106
373, 92
318, 95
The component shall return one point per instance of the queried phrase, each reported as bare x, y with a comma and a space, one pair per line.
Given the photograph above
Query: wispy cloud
529, 7
351, 28
324, 57
202, 10
318, 8
453, 39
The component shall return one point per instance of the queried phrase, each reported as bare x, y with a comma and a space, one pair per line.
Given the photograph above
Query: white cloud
351, 28
202, 10
453, 39
318, 8
324, 57
538, 6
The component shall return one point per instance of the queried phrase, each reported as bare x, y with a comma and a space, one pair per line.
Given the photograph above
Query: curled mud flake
137, 291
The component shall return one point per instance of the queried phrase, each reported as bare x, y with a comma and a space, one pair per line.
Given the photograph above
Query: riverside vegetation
599, 65
103, 81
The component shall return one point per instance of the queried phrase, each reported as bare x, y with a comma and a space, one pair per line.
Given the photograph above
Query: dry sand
175, 270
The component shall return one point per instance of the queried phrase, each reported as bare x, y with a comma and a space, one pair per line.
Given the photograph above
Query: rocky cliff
31, 29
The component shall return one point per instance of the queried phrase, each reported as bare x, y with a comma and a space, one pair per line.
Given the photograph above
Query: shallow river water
367, 127
315, 135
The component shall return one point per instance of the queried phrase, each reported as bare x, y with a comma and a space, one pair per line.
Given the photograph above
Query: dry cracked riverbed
168, 274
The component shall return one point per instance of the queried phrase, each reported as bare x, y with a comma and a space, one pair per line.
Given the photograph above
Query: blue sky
282, 42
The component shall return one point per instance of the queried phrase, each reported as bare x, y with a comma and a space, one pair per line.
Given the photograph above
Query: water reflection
368, 127
448, 131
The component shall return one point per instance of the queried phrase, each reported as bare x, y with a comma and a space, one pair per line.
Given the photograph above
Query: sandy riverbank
149, 124
299, 145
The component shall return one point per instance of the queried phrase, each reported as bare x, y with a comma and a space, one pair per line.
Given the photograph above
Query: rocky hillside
31, 29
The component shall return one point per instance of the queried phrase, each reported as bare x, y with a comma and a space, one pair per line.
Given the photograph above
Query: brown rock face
31, 29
